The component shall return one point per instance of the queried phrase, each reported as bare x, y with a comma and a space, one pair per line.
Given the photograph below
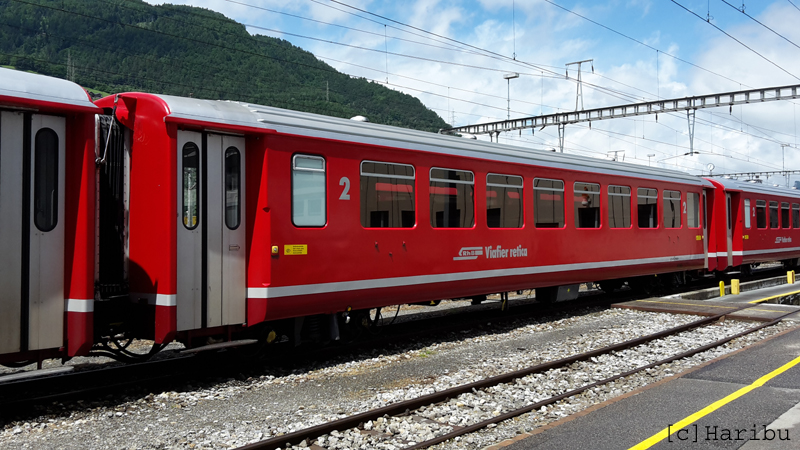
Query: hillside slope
127, 45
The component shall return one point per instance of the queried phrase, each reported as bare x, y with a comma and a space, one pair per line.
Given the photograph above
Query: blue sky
465, 87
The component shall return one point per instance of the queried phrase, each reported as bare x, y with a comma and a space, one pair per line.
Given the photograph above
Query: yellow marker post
790, 277
722, 289
735, 287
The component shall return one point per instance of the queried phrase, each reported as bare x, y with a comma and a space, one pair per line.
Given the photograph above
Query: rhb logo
468, 253
783, 240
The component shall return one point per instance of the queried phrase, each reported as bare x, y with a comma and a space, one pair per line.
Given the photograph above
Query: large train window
504, 201
785, 222
586, 201
747, 213
647, 207
308, 191
387, 195
761, 214
45, 180
548, 203
191, 183
672, 209
773, 215
795, 215
452, 197
693, 209
619, 207
233, 168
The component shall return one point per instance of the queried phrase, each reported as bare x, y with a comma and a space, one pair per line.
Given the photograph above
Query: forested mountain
128, 45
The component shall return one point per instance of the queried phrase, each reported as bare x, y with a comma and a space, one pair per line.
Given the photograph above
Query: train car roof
757, 188
33, 90
308, 124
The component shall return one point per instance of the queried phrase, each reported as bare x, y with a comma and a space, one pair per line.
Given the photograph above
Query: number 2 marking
344, 181
684, 207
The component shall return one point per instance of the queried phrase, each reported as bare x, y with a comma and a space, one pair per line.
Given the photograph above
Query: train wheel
609, 286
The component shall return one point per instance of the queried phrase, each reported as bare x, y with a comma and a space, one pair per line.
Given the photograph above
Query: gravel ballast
238, 411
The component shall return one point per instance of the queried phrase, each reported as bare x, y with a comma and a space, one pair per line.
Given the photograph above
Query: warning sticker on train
295, 249
491, 252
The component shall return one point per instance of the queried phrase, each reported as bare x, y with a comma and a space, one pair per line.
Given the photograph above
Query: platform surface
738, 422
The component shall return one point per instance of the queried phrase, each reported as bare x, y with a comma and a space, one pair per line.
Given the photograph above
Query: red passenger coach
245, 217
47, 193
754, 223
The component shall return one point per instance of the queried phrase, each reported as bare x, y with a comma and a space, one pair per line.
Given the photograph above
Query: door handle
233, 247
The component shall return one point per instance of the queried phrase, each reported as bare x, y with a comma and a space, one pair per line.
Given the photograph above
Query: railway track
83, 383
374, 427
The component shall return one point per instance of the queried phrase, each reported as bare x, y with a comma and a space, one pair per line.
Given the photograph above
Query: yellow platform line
774, 296
663, 434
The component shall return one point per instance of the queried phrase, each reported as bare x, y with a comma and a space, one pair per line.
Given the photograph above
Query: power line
756, 20
737, 40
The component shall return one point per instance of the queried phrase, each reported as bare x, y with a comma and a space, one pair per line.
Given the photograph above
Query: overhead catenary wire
737, 40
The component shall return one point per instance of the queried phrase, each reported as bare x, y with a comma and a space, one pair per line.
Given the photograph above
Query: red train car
47, 199
753, 223
247, 217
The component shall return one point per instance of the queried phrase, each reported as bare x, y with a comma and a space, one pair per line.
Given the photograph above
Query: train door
705, 229
211, 285
32, 153
729, 227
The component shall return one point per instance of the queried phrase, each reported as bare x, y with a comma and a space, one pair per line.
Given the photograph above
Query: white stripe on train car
155, 299
323, 288
79, 305
771, 250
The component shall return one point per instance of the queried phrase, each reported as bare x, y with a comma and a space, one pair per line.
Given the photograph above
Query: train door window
647, 207
191, 184
795, 215
728, 210
387, 195
232, 187
672, 209
586, 201
747, 213
548, 203
693, 209
619, 206
45, 180
785, 222
308, 191
504, 201
452, 196
773, 215
761, 214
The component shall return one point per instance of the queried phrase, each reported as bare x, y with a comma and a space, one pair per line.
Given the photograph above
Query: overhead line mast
688, 104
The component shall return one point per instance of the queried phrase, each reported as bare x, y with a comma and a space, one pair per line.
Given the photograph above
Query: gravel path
240, 410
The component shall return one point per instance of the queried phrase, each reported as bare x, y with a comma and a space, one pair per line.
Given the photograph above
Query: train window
672, 209
504, 201
452, 198
586, 199
548, 203
45, 180
747, 213
387, 195
785, 222
233, 168
773, 215
795, 215
308, 191
693, 209
761, 214
647, 207
191, 183
619, 206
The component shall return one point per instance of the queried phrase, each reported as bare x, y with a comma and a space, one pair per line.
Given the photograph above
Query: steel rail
529, 408
409, 405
